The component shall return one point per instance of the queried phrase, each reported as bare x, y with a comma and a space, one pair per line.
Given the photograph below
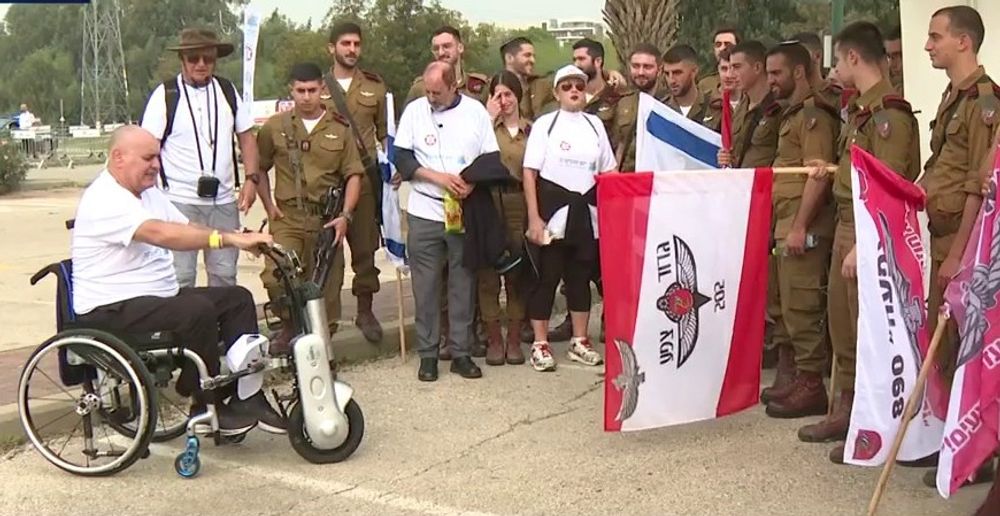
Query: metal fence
45, 146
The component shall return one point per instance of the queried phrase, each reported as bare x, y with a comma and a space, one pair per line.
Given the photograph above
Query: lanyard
215, 134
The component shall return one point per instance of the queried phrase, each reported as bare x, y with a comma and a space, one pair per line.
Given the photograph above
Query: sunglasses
569, 86
195, 58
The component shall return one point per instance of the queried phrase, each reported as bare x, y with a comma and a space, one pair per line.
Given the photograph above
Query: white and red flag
684, 266
973, 420
892, 317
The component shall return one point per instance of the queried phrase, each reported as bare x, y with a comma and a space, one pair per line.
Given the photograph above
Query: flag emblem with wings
627, 382
681, 301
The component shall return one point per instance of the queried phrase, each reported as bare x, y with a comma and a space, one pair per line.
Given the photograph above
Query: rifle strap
337, 94
294, 156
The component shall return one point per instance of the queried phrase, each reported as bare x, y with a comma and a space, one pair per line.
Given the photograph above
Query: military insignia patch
882, 125
811, 123
989, 116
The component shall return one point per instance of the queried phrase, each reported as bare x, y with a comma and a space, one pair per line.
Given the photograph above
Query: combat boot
807, 399
515, 356
494, 344
784, 379
366, 320
833, 427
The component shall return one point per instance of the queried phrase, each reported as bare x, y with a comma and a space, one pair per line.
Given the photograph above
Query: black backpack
172, 97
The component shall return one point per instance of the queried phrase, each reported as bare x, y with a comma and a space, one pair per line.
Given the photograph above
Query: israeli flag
392, 228
667, 140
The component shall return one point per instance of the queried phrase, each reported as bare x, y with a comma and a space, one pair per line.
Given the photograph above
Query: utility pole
103, 81
837, 15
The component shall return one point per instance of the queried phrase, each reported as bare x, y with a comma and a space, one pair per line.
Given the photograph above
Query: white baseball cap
569, 71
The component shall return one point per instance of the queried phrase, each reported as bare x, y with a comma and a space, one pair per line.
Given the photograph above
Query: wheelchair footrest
224, 379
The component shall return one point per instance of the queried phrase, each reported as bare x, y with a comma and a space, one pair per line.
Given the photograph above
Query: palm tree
641, 21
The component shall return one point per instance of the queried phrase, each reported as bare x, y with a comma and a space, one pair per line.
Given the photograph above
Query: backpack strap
172, 96
229, 91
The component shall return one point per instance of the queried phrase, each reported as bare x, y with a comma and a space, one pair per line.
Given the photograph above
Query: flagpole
402, 325
777, 171
834, 371
908, 412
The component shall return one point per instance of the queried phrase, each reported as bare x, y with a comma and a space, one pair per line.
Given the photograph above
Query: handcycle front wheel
299, 437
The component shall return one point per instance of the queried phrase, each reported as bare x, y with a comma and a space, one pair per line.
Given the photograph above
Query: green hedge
13, 166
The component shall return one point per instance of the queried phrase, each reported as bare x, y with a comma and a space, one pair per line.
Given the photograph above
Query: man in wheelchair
124, 279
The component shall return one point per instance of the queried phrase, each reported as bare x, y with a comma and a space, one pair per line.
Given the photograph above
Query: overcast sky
507, 13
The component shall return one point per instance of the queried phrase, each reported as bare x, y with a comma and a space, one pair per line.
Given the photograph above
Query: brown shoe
515, 356
837, 454
366, 320
563, 332
494, 344
833, 427
784, 379
807, 399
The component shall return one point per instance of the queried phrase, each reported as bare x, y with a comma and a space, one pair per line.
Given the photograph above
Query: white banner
251, 31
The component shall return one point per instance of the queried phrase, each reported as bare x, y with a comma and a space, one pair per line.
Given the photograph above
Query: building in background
568, 32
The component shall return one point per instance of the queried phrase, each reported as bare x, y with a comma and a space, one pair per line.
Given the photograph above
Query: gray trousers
429, 248
220, 264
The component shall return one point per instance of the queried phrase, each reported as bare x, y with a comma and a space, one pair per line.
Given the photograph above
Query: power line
104, 80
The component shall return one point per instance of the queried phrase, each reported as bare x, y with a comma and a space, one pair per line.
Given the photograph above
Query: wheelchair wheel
299, 438
172, 412
76, 387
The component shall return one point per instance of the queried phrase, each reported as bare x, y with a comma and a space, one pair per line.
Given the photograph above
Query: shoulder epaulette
715, 103
338, 117
772, 109
818, 103
897, 102
372, 76
835, 88
476, 82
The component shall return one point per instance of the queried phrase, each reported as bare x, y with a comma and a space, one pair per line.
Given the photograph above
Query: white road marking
331, 487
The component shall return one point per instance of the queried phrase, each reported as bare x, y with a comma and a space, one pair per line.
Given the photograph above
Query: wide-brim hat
196, 39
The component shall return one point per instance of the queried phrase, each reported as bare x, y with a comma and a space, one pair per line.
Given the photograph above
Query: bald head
440, 85
134, 158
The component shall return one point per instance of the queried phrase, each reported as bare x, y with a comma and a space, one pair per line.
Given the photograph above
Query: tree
641, 21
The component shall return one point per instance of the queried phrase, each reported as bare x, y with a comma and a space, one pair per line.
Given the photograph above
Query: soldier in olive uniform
359, 97
518, 56
680, 65
726, 37
447, 46
311, 150
758, 116
881, 123
894, 49
803, 229
644, 68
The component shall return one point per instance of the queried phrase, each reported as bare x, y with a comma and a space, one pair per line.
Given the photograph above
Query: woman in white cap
566, 151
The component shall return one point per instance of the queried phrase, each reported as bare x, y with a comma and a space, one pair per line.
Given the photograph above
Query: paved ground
514, 442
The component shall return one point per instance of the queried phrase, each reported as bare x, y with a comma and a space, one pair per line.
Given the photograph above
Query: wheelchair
118, 385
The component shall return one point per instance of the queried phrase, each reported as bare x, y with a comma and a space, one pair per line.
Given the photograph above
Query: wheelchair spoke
46, 375
69, 438
70, 413
54, 400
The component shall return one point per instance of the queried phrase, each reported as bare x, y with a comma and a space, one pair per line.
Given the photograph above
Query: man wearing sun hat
195, 115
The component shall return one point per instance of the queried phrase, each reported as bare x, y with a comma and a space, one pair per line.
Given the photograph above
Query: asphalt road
515, 442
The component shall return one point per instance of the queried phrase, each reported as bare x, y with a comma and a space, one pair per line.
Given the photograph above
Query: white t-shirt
108, 265
571, 155
311, 124
445, 141
179, 155
25, 120
346, 83
686, 109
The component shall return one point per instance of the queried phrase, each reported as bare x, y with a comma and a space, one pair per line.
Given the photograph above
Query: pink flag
684, 261
892, 318
970, 433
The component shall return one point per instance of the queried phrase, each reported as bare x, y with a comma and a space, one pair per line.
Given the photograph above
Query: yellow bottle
453, 215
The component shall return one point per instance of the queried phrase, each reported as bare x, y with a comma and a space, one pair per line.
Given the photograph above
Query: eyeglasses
568, 86
195, 58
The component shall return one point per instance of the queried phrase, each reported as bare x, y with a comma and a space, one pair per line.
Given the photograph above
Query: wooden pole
910, 408
402, 325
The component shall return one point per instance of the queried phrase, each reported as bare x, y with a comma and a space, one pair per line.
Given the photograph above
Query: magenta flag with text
970, 432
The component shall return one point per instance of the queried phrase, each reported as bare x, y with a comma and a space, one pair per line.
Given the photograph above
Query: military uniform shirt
366, 103
329, 155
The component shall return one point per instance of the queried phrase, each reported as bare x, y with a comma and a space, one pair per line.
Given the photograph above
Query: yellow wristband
215, 240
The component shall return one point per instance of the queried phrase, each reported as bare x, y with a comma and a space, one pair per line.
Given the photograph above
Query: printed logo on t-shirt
430, 139
565, 146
